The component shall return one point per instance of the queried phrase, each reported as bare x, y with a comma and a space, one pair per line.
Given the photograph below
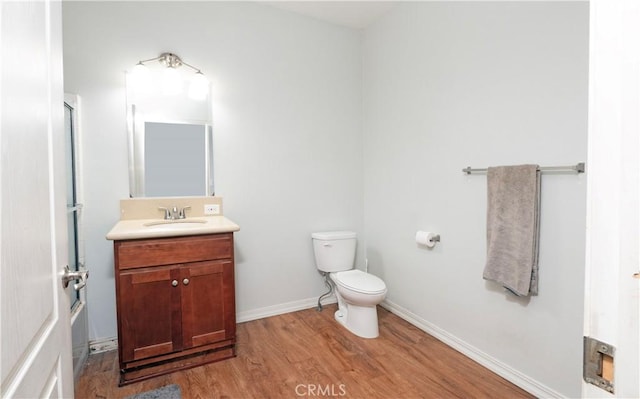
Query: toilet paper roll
427, 238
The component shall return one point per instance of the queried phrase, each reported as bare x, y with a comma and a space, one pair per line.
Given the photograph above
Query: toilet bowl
358, 293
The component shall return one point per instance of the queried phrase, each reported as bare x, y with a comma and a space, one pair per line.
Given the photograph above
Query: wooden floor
308, 354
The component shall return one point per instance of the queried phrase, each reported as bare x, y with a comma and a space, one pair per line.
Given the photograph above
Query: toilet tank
335, 251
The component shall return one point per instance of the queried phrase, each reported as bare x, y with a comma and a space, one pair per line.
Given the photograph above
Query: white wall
450, 85
287, 126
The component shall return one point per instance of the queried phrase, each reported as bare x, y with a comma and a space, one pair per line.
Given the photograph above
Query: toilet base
360, 320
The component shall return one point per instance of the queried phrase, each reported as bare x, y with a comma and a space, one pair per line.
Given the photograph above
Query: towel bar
578, 168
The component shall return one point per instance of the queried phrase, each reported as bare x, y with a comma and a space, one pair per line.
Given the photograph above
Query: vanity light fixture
171, 79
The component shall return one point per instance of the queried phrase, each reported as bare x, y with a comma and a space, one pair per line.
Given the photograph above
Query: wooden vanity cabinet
175, 302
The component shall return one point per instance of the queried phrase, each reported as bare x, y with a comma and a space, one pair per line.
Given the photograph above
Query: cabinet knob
174, 283
185, 281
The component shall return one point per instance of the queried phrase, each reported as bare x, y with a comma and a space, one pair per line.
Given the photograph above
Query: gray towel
513, 201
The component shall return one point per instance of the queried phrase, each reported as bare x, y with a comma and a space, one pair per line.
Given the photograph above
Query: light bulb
199, 87
141, 78
171, 82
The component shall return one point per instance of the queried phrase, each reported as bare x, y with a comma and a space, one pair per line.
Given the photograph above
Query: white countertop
153, 228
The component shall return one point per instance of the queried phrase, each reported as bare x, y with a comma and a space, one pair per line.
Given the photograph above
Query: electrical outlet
212, 209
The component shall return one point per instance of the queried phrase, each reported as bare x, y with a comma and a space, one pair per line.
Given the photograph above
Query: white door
612, 294
35, 325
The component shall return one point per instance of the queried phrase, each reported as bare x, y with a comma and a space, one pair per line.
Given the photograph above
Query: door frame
612, 309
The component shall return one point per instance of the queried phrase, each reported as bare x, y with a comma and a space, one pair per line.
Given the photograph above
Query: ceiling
351, 14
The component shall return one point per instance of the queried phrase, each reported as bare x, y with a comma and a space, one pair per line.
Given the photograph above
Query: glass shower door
77, 295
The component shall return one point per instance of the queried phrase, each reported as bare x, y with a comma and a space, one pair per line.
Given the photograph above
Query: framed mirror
170, 145
172, 159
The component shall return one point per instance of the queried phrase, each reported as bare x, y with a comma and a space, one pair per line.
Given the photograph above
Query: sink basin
175, 224
132, 229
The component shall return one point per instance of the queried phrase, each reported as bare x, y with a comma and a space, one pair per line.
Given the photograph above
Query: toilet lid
360, 281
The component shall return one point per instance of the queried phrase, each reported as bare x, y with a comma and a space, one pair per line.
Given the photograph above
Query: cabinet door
208, 302
149, 308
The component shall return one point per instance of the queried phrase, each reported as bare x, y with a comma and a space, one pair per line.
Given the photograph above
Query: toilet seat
359, 281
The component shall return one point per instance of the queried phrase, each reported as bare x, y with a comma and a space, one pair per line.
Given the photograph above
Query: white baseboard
514, 376
507, 372
103, 345
282, 308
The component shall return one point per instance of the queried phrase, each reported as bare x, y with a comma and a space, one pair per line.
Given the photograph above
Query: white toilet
358, 292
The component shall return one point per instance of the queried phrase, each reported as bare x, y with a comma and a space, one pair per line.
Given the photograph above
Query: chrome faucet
183, 212
174, 213
167, 213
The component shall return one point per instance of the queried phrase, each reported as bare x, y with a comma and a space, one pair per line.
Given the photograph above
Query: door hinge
598, 362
